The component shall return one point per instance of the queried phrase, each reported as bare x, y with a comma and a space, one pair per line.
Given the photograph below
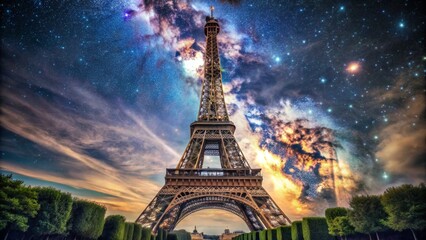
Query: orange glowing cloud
353, 67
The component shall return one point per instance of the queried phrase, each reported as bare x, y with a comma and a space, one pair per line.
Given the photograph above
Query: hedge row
312, 228
44, 212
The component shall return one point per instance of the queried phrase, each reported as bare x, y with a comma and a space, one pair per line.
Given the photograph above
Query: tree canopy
343, 226
55, 211
330, 215
367, 214
18, 203
406, 207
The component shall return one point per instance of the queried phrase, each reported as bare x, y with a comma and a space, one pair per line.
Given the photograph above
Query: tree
367, 214
137, 231
330, 215
343, 226
87, 219
18, 203
55, 211
406, 207
113, 228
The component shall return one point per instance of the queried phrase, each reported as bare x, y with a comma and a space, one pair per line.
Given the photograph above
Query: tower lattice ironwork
235, 187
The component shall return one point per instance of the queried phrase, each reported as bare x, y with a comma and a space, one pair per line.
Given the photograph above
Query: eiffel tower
235, 187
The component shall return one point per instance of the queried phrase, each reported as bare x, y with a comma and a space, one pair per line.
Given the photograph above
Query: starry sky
97, 97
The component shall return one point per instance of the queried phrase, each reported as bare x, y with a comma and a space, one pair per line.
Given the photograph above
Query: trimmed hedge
113, 228
272, 234
182, 234
296, 230
87, 219
161, 234
146, 234
172, 236
137, 231
255, 235
284, 233
315, 228
130, 230
126, 230
263, 235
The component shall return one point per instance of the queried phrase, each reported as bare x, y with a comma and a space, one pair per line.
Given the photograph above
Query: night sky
97, 96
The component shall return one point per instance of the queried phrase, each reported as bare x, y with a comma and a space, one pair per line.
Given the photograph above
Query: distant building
227, 235
195, 235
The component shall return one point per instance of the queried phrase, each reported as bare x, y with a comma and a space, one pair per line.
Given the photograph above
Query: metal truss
253, 205
212, 102
216, 142
234, 187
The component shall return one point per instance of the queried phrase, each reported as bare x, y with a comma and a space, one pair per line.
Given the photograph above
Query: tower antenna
211, 11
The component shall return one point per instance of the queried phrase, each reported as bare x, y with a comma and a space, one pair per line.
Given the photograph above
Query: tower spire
212, 102
234, 187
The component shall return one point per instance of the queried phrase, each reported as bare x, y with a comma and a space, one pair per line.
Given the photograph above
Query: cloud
99, 144
250, 94
402, 146
305, 165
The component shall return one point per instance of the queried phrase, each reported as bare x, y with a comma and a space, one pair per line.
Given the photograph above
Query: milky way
328, 96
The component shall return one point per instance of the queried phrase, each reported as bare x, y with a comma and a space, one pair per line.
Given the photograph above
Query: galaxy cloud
328, 97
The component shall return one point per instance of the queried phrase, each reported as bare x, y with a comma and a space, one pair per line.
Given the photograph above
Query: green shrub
126, 231
182, 235
171, 236
137, 231
255, 235
146, 234
87, 219
130, 229
113, 228
263, 235
315, 228
284, 233
296, 230
272, 234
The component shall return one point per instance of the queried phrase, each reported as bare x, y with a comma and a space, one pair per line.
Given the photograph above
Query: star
353, 67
